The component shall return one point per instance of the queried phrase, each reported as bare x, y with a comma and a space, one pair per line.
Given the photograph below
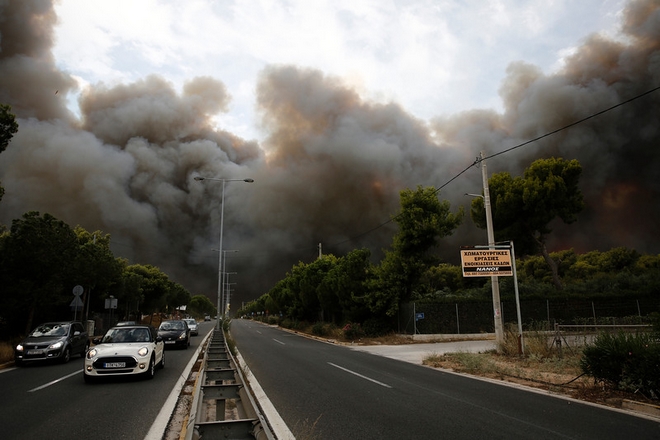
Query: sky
332, 108
432, 57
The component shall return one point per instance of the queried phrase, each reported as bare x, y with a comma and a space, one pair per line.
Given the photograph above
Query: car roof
123, 327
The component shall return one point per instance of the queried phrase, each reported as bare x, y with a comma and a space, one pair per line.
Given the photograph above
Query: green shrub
319, 329
625, 360
353, 331
374, 327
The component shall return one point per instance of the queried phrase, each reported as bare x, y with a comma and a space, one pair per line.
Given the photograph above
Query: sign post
484, 262
494, 261
77, 302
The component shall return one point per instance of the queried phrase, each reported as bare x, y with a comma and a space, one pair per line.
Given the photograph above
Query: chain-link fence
477, 316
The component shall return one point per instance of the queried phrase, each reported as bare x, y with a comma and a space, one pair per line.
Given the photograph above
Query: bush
374, 327
627, 361
319, 329
353, 331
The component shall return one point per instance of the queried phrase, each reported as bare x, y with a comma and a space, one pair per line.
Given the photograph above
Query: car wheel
66, 356
151, 370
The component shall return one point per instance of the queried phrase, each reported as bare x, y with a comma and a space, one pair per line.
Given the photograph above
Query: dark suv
53, 340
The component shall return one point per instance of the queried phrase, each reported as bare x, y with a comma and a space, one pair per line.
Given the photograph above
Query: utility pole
320, 250
495, 285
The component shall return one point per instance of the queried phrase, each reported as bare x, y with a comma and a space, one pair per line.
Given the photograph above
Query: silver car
192, 325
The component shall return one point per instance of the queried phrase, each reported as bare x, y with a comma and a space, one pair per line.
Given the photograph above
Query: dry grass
541, 367
6, 352
306, 430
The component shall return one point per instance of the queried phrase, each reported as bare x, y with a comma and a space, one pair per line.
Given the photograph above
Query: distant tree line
351, 289
42, 259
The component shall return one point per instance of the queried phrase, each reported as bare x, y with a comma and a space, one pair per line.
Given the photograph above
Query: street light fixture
222, 221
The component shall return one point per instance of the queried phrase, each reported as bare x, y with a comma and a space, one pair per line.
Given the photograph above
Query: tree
346, 284
155, 286
523, 207
177, 296
200, 305
423, 220
37, 261
96, 268
8, 127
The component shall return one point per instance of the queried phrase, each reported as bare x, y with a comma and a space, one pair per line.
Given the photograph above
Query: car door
78, 338
159, 346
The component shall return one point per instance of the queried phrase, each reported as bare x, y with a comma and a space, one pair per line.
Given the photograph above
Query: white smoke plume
332, 165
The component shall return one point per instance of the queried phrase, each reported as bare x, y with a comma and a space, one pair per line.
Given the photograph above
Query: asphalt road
325, 391
51, 401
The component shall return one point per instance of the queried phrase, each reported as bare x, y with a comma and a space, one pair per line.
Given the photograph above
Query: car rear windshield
172, 325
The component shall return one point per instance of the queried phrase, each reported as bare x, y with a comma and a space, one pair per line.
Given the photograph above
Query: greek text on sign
486, 263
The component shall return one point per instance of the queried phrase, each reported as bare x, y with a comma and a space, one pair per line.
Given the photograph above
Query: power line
478, 159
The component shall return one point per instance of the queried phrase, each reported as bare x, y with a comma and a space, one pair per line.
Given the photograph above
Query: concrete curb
640, 407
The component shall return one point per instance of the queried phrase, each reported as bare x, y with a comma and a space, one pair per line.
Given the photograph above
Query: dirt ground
560, 376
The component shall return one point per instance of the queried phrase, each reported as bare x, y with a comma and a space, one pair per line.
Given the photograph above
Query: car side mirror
76, 333
97, 341
159, 339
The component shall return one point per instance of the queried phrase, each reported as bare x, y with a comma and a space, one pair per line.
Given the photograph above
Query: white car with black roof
125, 351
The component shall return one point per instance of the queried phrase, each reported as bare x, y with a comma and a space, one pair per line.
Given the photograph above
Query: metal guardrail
577, 335
223, 406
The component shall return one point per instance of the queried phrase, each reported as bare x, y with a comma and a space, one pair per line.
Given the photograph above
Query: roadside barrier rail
223, 406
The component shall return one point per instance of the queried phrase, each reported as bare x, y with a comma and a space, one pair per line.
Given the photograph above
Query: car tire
151, 369
66, 355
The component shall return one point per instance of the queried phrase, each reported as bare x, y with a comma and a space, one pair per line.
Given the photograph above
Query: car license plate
115, 365
34, 352
170, 342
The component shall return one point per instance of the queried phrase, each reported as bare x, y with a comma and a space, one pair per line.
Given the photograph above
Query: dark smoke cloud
332, 164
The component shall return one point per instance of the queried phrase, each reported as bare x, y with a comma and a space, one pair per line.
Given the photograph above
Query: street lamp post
225, 298
222, 220
494, 282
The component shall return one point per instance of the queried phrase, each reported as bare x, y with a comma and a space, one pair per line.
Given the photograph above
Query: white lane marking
360, 375
277, 424
259, 332
279, 342
55, 381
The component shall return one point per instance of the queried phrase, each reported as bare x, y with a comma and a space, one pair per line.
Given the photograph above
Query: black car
175, 333
53, 341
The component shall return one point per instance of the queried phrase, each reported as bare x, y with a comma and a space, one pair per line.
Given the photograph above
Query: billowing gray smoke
333, 164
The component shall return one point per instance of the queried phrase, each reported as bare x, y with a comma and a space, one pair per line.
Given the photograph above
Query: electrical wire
508, 150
